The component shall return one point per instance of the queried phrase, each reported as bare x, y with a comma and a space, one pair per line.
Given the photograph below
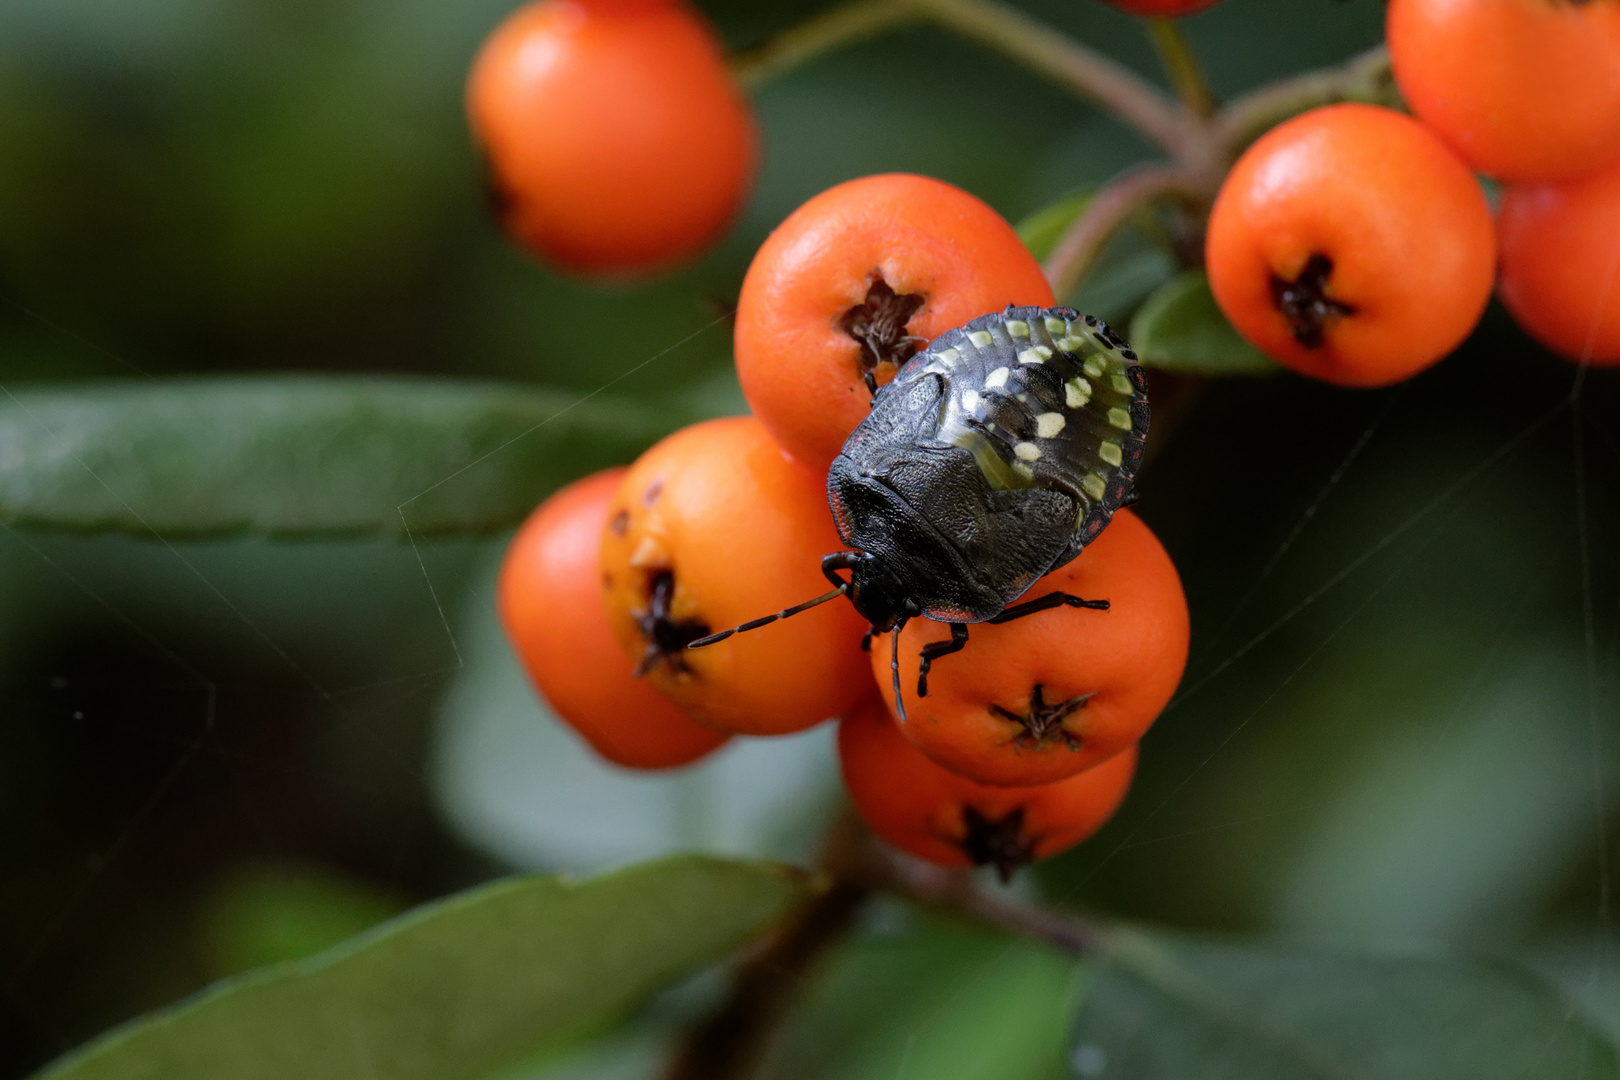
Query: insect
995, 455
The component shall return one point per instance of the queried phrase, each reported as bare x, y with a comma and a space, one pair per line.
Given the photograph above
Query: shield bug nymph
996, 454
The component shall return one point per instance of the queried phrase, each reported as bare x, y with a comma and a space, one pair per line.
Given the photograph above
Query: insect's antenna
894, 667
755, 624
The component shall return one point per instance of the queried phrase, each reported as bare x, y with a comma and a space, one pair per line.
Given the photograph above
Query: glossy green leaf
1180, 328
459, 988
302, 455
1165, 1008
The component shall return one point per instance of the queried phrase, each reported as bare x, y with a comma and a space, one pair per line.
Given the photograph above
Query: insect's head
874, 588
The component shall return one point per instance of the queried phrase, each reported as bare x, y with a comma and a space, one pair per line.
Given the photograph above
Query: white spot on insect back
949, 356
970, 400
1048, 424
1035, 354
1018, 328
1120, 419
1071, 344
1110, 452
1122, 384
981, 338
1094, 485
996, 379
1055, 325
1093, 366
1027, 451
1076, 393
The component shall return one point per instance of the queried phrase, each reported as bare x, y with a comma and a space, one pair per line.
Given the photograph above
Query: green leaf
1041, 231
939, 1001
458, 988
1180, 328
302, 455
1166, 1008
268, 913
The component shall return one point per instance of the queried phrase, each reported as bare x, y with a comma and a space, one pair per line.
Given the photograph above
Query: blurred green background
1400, 723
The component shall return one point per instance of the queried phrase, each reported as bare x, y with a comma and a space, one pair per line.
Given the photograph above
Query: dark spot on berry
620, 523
998, 842
667, 637
1043, 722
654, 489
1304, 301
879, 326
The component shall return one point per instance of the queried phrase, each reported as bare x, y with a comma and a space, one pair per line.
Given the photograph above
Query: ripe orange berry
1163, 8
852, 284
712, 527
1351, 245
1050, 695
1522, 89
618, 142
952, 821
550, 602
1561, 264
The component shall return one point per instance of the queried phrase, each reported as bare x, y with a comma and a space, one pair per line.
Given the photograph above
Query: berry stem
1365, 78
730, 1042
956, 891
1054, 54
1041, 48
832, 29
1182, 66
1077, 251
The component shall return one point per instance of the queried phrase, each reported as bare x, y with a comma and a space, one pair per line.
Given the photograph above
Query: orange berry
853, 283
550, 602
1351, 245
952, 821
712, 527
1056, 693
1561, 264
1522, 89
618, 142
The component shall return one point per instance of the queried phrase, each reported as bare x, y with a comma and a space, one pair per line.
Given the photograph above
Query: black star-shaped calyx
998, 842
879, 324
1043, 721
667, 637
1304, 301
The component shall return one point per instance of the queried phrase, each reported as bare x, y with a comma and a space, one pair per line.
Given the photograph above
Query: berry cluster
1023, 741
907, 371
1353, 243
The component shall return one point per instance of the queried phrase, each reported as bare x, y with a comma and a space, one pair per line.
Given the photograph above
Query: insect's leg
1047, 603
839, 560
894, 668
936, 649
866, 639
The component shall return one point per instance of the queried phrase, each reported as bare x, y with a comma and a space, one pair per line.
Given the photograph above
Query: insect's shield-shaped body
995, 456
